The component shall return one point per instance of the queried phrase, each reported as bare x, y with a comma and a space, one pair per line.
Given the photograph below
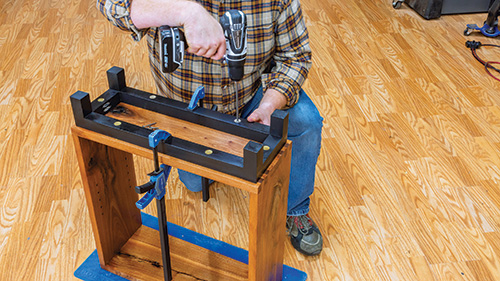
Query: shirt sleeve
292, 55
118, 13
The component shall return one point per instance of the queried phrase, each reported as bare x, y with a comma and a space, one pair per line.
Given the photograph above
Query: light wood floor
407, 181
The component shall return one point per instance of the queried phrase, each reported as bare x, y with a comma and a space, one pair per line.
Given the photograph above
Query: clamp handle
145, 187
146, 199
199, 93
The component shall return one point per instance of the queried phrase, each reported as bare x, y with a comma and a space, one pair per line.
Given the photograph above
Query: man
277, 63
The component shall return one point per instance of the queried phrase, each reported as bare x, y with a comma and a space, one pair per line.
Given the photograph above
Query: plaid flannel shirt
276, 32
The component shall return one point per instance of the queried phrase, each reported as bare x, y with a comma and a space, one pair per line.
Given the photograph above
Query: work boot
304, 235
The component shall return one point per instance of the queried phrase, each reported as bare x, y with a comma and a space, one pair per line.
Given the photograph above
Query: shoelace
304, 223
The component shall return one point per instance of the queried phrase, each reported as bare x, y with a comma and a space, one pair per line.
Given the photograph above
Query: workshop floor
408, 181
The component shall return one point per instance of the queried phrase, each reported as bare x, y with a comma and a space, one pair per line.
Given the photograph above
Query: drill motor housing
234, 23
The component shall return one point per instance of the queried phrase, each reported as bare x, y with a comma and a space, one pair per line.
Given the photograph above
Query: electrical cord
473, 46
487, 65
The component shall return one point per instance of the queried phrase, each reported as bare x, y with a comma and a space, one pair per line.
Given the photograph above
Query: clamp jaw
198, 96
155, 188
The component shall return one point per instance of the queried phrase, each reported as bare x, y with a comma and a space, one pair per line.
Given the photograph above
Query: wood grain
408, 180
110, 195
183, 130
140, 259
266, 236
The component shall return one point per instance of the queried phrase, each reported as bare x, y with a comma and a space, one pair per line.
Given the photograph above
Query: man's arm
153, 13
203, 32
118, 13
293, 61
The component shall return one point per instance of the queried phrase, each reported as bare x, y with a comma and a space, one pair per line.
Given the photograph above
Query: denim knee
190, 180
304, 118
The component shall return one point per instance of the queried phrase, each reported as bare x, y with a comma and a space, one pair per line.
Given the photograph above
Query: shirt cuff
289, 90
123, 20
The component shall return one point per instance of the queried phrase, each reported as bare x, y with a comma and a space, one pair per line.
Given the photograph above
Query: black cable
473, 46
486, 68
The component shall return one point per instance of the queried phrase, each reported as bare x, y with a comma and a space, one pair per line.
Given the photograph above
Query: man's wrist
273, 100
268, 107
188, 9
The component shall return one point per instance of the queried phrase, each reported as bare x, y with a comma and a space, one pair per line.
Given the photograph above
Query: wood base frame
129, 249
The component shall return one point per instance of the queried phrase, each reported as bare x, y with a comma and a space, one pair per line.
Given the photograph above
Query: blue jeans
304, 130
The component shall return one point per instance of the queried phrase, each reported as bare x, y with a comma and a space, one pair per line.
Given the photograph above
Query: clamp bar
155, 188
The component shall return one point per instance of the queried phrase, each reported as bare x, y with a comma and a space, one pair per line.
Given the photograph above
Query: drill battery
172, 45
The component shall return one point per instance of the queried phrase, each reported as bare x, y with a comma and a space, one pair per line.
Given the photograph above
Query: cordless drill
234, 24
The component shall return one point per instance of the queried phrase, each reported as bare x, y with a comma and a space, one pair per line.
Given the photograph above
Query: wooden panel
109, 179
267, 220
182, 129
140, 259
101, 165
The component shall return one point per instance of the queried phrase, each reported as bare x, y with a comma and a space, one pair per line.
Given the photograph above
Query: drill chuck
235, 70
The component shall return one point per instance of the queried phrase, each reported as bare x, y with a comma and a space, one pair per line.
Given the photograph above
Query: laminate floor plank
407, 183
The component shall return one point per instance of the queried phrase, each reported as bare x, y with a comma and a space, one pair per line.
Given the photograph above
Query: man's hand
204, 36
271, 101
203, 32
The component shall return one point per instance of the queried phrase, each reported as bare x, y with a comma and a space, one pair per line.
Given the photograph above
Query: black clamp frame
255, 160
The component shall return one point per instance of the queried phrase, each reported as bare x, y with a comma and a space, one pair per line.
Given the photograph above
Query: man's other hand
271, 101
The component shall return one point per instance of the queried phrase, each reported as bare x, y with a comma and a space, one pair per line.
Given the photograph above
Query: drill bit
234, 25
237, 120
